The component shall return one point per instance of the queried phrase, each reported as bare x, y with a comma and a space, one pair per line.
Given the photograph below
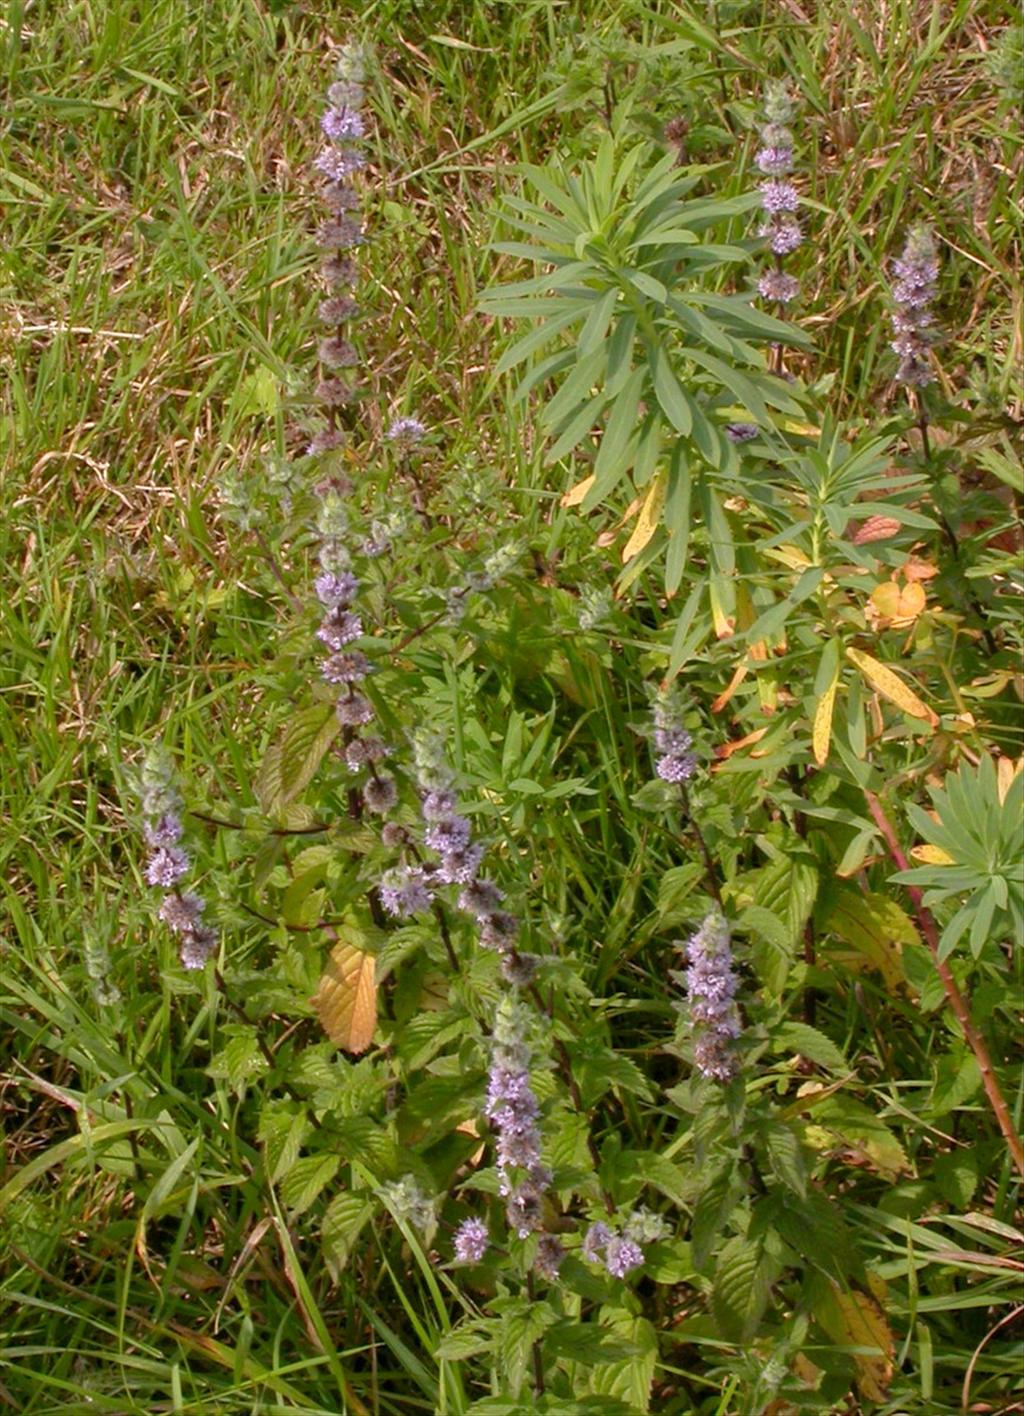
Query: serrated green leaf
802, 1039
307, 1178
745, 1271
240, 1058
786, 1156
344, 1220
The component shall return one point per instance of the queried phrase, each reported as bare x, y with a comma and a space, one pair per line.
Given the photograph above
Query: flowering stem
273, 830
710, 872
538, 1364
446, 934
955, 998
565, 1067
275, 569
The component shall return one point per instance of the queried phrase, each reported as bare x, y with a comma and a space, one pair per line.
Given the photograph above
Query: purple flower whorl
711, 986
779, 198
169, 862
914, 290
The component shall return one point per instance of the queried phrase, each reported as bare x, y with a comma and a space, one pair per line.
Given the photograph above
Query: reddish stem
956, 999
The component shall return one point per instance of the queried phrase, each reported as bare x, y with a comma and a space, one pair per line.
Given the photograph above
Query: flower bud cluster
675, 762
513, 1110
169, 862
917, 270
779, 198
711, 984
620, 1249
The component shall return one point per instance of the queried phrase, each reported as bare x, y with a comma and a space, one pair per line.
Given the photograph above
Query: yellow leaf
856, 1320
821, 734
575, 495
891, 686
932, 855
876, 929
346, 997
649, 519
1006, 770
892, 604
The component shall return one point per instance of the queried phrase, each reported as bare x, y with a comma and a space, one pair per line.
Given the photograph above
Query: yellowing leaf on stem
1006, 770
576, 494
889, 684
876, 929
892, 606
739, 675
856, 1320
346, 997
931, 855
649, 519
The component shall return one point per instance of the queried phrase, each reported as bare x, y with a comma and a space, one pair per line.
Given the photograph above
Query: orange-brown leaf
346, 997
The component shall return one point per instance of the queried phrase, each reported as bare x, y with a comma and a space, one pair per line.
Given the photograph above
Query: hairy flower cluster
675, 762
912, 319
409, 1202
471, 1241
620, 1249
169, 863
495, 567
711, 987
779, 198
513, 1110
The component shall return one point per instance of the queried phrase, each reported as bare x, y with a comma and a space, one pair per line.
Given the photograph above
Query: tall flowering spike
169, 862
513, 1110
674, 762
913, 291
711, 987
780, 200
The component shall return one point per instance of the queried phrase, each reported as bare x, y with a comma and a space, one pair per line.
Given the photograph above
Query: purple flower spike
912, 319
711, 986
166, 866
342, 125
471, 1241
776, 285
403, 892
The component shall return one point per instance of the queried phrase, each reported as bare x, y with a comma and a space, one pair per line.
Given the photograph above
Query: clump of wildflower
169, 861
548, 1259
403, 891
675, 762
620, 1250
513, 1110
780, 200
917, 270
471, 1241
710, 1007
406, 432
408, 1202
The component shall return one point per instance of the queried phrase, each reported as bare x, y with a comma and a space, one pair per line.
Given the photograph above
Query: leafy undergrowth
237, 1188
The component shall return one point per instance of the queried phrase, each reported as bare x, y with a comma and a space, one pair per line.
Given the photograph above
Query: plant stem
261, 1043
710, 872
565, 1067
538, 1363
955, 998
